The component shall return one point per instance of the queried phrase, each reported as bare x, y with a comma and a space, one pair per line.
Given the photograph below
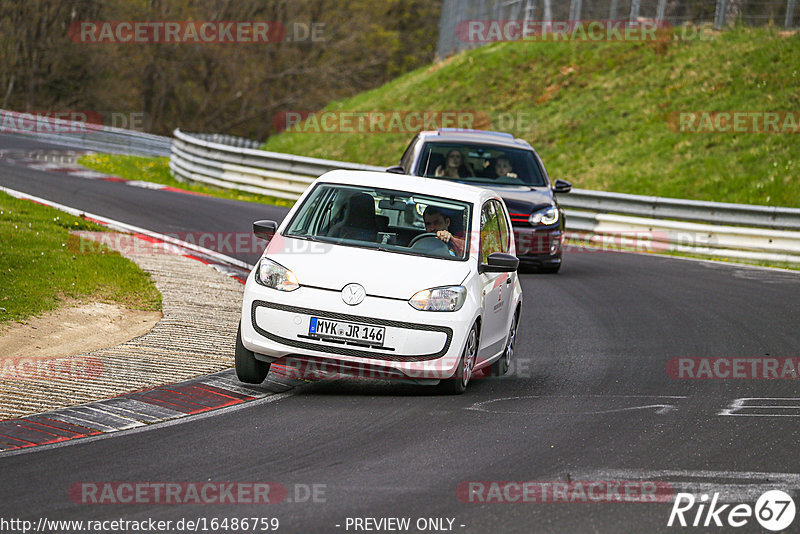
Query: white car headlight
547, 215
275, 276
440, 299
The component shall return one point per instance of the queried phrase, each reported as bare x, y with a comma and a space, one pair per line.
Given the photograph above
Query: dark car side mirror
397, 169
499, 262
562, 186
265, 229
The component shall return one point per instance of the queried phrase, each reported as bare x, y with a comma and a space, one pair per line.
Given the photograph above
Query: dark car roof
475, 136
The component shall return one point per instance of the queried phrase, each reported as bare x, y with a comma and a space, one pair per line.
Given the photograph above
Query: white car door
506, 241
497, 287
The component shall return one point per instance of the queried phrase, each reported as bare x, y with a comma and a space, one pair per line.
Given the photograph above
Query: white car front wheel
457, 384
248, 369
501, 366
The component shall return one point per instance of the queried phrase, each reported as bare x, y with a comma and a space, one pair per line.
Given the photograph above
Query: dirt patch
73, 329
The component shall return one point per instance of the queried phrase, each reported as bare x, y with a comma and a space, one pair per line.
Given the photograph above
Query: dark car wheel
457, 384
248, 369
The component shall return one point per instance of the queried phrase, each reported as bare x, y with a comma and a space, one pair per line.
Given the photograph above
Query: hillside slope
607, 115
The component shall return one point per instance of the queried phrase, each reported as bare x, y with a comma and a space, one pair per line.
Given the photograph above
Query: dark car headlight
544, 216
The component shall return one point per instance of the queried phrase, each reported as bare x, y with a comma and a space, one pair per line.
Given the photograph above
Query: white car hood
382, 274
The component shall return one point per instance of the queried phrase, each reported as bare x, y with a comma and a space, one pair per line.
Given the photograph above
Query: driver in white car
437, 222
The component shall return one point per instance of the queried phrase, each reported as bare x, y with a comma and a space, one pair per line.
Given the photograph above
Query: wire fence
720, 13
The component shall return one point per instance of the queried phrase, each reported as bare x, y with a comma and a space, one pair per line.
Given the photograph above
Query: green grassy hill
603, 115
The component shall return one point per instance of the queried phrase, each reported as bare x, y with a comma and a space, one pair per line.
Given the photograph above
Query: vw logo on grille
353, 294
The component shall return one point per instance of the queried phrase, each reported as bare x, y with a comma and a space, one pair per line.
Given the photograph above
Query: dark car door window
407, 160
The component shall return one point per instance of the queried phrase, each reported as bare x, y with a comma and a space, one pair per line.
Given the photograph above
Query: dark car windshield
383, 219
480, 164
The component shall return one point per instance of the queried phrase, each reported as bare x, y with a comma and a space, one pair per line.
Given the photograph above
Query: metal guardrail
84, 136
255, 171
229, 140
687, 210
622, 232
738, 231
706, 228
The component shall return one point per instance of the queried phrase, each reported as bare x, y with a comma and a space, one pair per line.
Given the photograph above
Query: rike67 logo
774, 510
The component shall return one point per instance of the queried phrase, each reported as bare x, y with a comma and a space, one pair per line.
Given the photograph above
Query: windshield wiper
309, 237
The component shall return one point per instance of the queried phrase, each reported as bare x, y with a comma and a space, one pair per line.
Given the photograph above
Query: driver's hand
444, 235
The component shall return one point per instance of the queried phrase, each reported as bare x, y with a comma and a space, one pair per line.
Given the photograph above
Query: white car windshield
388, 220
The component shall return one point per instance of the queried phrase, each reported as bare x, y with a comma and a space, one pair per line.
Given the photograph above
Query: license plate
361, 333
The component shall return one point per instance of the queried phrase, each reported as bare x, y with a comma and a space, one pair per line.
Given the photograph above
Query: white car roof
412, 184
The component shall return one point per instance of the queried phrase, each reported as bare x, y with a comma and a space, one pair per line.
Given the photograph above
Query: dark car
509, 166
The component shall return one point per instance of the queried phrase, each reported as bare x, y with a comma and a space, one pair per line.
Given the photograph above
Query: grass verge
603, 114
156, 170
40, 264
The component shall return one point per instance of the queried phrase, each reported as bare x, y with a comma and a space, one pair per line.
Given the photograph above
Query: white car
414, 278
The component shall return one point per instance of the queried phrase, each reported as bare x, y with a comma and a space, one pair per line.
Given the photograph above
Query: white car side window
502, 225
490, 231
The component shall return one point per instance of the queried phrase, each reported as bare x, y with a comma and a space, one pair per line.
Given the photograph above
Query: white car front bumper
417, 344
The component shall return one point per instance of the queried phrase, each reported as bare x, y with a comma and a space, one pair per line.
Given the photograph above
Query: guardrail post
575, 10
446, 44
482, 13
530, 5
548, 11
719, 17
635, 10
515, 10
662, 7
789, 13
612, 14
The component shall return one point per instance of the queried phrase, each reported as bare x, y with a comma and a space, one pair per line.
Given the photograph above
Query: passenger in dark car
454, 166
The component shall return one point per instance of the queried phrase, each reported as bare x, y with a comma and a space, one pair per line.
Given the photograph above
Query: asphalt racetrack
594, 400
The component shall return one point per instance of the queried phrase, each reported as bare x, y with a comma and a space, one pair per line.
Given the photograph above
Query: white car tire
501, 366
457, 384
248, 369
